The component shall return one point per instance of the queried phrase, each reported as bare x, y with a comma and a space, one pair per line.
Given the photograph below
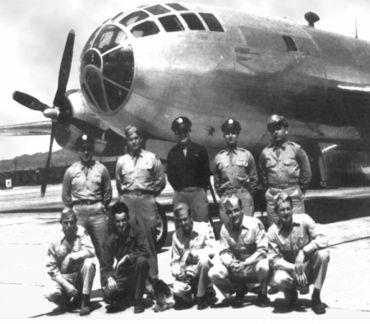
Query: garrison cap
231, 125
85, 141
181, 123
276, 122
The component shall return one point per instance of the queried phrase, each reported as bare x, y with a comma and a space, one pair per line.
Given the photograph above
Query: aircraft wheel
161, 228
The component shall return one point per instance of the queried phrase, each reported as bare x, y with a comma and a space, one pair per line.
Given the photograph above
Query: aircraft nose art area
107, 69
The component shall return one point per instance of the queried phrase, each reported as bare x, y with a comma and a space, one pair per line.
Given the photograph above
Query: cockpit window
133, 18
212, 22
193, 21
176, 6
109, 37
290, 44
157, 10
145, 29
171, 23
90, 40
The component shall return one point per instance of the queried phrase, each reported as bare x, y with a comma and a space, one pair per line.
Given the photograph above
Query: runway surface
28, 223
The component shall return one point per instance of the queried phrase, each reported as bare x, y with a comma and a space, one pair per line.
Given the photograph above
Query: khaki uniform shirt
82, 182
235, 169
249, 241
201, 242
285, 165
80, 249
143, 173
304, 235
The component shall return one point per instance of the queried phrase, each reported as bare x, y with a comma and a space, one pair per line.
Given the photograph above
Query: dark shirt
191, 170
131, 243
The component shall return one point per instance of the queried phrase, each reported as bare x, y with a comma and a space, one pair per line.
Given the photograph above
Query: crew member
70, 265
125, 245
193, 247
243, 255
298, 253
140, 178
87, 190
284, 167
188, 170
235, 170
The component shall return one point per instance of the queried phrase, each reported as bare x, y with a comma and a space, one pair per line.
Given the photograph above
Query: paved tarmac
28, 223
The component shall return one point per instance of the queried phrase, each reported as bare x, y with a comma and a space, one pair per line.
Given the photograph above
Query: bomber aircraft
148, 65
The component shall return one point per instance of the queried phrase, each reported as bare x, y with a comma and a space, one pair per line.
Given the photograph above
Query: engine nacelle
81, 120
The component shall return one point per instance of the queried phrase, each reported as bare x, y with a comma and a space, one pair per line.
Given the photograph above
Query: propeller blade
29, 101
47, 165
64, 70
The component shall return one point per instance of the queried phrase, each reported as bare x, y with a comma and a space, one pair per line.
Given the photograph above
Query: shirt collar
295, 223
231, 150
136, 156
88, 165
282, 146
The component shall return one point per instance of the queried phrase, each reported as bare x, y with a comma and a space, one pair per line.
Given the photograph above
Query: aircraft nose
107, 70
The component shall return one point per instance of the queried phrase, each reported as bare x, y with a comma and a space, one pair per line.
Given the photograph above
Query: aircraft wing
34, 128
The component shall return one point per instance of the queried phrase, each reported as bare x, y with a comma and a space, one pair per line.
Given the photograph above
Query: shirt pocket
242, 163
290, 162
270, 164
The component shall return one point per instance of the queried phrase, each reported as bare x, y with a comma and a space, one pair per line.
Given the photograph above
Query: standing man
284, 167
87, 190
298, 253
242, 256
126, 245
70, 265
188, 171
140, 178
235, 170
193, 247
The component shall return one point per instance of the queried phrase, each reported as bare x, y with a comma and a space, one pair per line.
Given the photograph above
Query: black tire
161, 228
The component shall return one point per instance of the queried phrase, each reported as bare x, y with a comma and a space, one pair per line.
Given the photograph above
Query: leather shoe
263, 300
238, 301
318, 308
139, 306
85, 310
202, 302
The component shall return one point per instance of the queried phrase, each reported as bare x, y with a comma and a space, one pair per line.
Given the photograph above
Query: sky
33, 34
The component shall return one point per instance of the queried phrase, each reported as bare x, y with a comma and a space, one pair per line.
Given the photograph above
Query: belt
138, 192
86, 202
190, 189
283, 185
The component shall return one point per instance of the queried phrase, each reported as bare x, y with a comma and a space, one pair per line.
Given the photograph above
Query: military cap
181, 123
85, 141
231, 125
276, 122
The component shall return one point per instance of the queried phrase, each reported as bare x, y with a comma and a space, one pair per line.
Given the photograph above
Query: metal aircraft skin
154, 63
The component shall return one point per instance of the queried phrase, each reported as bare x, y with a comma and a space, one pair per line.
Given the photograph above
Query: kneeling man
70, 265
298, 253
193, 247
242, 255
127, 245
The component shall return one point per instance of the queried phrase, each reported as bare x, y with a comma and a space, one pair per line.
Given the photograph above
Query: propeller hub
52, 113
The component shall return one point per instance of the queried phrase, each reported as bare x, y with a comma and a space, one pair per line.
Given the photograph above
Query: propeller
60, 104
